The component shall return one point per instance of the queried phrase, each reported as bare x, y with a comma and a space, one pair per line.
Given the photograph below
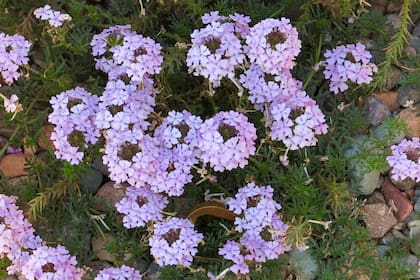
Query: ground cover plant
180, 139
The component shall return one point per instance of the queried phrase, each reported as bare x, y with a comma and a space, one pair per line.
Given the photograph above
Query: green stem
317, 56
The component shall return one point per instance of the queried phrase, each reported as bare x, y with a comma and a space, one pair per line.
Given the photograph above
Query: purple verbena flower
296, 121
55, 18
140, 206
122, 273
215, 52
73, 115
227, 140
174, 242
405, 160
51, 263
273, 44
347, 63
13, 53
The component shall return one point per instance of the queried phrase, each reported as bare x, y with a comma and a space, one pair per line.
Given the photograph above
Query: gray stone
415, 43
417, 206
365, 182
376, 111
100, 166
382, 249
394, 20
415, 244
406, 93
387, 239
99, 248
304, 264
398, 234
392, 78
393, 6
416, 30
92, 180
376, 197
381, 132
153, 271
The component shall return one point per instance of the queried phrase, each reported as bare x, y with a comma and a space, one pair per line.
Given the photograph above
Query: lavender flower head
255, 206
73, 115
16, 233
173, 170
51, 263
234, 251
296, 121
227, 140
174, 242
55, 18
130, 156
215, 52
13, 54
264, 88
124, 105
105, 43
140, 206
139, 56
122, 273
347, 63
273, 44
237, 23
405, 160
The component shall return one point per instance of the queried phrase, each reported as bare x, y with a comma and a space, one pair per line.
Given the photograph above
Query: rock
398, 235
376, 197
416, 30
108, 195
410, 193
389, 98
393, 6
394, 197
44, 141
92, 180
304, 264
153, 271
100, 166
415, 244
412, 118
382, 132
99, 247
404, 185
378, 219
415, 43
376, 111
382, 249
388, 239
399, 226
392, 78
407, 94
417, 206
13, 165
394, 20
366, 182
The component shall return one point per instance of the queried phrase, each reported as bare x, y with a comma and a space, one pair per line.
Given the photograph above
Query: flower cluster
140, 206
122, 273
227, 140
263, 230
13, 54
273, 45
73, 116
216, 49
348, 63
51, 263
405, 160
118, 51
25, 252
55, 18
174, 242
